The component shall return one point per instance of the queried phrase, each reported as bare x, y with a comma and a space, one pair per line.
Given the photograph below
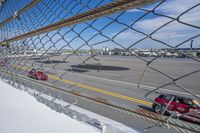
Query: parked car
183, 107
37, 74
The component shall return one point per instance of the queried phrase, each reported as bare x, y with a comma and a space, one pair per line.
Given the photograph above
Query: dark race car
182, 107
37, 74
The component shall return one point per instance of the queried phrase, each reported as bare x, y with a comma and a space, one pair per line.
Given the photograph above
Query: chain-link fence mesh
106, 51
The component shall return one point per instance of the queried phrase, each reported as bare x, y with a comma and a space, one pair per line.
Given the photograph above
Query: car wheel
159, 108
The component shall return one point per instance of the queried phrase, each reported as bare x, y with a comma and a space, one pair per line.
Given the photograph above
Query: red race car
183, 107
37, 74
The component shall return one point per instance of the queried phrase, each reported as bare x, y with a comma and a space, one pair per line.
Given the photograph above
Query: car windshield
196, 103
191, 102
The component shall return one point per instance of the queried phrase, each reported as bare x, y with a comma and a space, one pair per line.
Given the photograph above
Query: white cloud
134, 10
174, 32
176, 7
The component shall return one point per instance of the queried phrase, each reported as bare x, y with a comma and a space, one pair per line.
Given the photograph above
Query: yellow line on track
102, 91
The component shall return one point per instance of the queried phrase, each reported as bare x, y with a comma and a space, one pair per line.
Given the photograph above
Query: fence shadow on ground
101, 67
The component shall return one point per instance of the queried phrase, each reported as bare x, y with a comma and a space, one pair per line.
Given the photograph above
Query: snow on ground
21, 113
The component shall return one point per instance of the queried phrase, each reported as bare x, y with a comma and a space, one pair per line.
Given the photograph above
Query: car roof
39, 68
176, 95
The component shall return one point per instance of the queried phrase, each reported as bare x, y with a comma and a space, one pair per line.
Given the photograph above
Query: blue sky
82, 34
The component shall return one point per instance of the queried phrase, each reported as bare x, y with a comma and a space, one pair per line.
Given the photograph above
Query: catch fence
67, 38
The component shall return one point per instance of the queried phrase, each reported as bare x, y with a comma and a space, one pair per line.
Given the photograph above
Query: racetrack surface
116, 80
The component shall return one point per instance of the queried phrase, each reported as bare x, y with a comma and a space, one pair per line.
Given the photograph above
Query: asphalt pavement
115, 78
